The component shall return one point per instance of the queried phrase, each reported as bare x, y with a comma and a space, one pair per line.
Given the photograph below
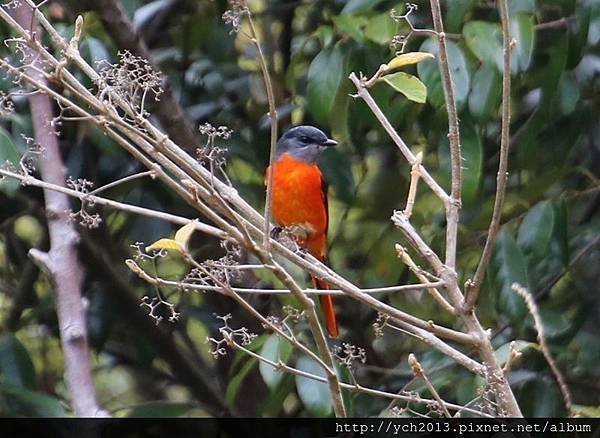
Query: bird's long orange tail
328, 308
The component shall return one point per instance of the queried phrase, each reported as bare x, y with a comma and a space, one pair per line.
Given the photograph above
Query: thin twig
452, 212
419, 372
539, 326
473, 286
281, 366
274, 122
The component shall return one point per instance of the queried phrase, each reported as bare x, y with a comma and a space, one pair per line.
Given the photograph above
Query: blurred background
549, 240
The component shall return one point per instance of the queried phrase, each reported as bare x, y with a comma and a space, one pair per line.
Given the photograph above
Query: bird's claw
276, 232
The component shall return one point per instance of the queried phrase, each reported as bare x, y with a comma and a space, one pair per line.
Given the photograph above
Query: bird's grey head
304, 143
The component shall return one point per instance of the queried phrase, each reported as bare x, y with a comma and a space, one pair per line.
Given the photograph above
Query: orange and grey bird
299, 199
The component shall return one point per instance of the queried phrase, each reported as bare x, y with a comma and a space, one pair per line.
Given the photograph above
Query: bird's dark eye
304, 139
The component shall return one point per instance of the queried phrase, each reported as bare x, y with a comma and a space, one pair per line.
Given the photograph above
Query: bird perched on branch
299, 199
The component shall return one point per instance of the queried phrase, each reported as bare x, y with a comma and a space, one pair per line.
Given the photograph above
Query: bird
299, 200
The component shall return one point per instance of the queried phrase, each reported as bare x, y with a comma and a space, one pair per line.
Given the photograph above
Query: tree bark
61, 262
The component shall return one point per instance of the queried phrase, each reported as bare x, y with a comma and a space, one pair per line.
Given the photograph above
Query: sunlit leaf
409, 85
315, 395
182, 236
408, 59
166, 244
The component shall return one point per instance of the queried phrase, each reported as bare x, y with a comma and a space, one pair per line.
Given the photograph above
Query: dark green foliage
550, 223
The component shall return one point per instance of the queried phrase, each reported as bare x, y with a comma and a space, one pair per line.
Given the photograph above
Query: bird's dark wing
324, 189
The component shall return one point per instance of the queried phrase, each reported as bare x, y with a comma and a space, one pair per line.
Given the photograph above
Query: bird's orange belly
297, 199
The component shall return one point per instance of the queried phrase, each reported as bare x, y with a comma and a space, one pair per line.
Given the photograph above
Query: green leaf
458, 14
315, 395
519, 345
486, 92
16, 366
535, 232
94, 51
510, 268
236, 382
522, 29
324, 78
160, 409
409, 85
351, 25
16, 401
430, 74
354, 6
485, 41
8, 153
381, 29
516, 6
586, 411
472, 154
274, 349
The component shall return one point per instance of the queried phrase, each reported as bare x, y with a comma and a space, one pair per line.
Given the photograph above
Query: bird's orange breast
297, 199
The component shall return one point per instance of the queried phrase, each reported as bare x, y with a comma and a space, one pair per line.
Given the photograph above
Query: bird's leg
276, 232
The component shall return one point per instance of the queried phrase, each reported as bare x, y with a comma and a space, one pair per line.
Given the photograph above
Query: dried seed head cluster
399, 41
380, 324
156, 305
348, 354
6, 104
230, 337
132, 79
215, 272
13, 4
141, 254
234, 15
32, 153
211, 154
81, 185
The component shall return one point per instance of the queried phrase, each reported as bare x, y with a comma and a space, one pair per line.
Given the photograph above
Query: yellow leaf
408, 59
182, 236
168, 244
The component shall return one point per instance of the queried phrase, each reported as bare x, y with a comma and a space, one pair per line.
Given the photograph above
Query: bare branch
61, 263
539, 326
473, 286
452, 212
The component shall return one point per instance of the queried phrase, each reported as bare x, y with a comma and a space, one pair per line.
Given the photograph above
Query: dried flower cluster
132, 79
230, 337
235, 14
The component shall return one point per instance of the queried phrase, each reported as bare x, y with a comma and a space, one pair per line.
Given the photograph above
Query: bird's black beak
330, 142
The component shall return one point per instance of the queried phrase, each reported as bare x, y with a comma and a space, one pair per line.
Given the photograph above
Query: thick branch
61, 262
